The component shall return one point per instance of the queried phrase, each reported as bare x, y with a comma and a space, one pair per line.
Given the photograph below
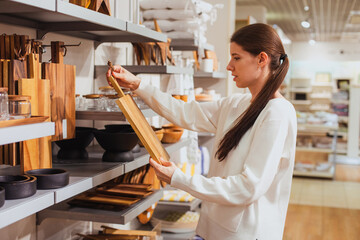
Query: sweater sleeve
260, 169
193, 115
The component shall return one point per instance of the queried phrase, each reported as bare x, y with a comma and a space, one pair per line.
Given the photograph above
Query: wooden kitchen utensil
138, 122
36, 153
62, 92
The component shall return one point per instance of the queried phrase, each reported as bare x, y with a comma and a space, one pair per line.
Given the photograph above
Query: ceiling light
305, 24
306, 8
312, 42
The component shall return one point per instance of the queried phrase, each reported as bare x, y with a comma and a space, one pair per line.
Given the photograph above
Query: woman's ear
263, 59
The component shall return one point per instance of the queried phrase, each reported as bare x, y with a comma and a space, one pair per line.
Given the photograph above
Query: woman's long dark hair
256, 38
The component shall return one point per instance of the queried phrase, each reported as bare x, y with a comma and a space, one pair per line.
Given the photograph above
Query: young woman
246, 192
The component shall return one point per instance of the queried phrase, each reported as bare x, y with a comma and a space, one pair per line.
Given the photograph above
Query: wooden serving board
24, 121
138, 122
126, 192
36, 153
62, 88
106, 199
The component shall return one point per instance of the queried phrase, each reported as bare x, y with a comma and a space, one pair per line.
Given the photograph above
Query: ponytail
254, 39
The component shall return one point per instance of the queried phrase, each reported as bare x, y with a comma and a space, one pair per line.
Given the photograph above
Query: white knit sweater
245, 196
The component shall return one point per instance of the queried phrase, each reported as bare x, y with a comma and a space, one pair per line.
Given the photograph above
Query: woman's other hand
165, 171
125, 78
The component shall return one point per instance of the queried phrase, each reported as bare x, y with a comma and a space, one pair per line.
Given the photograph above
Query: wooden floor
325, 209
348, 173
321, 223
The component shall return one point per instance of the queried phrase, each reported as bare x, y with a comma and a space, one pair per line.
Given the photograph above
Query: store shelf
63, 210
83, 176
109, 116
320, 174
210, 75
346, 102
179, 206
301, 102
15, 210
154, 69
301, 90
188, 44
312, 149
76, 186
70, 19
26, 132
317, 127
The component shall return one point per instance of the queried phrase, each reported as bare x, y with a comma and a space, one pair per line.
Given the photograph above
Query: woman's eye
236, 58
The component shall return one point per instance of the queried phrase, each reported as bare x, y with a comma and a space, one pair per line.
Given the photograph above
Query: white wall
219, 35
342, 60
257, 12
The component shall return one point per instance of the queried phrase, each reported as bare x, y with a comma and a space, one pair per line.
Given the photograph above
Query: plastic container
19, 106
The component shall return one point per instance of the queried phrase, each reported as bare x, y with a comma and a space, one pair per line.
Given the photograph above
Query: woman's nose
229, 67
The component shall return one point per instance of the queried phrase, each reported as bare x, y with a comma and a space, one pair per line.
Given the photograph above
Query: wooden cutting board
138, 122
62, 87
36, 153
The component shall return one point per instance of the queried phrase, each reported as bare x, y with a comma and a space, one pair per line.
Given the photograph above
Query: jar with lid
110, 103
4, 104
19, 106
93, 102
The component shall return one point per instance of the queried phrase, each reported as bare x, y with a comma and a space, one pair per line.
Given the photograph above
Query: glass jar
93, 102
19, 106
4, 104
110, 103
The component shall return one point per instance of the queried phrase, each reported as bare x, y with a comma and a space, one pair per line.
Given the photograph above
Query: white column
354, 122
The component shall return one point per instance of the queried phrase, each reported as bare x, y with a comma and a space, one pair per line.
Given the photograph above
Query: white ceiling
330, 19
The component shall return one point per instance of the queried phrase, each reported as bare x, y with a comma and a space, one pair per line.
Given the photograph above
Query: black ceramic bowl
50, 178
118, 145
16, 187
2, 196
123, 128
75, 148
119, 128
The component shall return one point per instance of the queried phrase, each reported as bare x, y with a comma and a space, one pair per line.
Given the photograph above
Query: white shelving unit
318, 130
26, 132
66, 18
220, 75
69, 19
154, 69
188, 44
83, 176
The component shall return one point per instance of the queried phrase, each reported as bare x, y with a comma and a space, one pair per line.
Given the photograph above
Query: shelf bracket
97, 44
41, 33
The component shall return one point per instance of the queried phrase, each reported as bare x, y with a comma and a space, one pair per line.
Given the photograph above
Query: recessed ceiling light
306, 8
312, 42
305, 24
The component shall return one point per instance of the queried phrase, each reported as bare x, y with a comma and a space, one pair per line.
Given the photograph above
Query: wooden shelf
66, 18
26, 132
